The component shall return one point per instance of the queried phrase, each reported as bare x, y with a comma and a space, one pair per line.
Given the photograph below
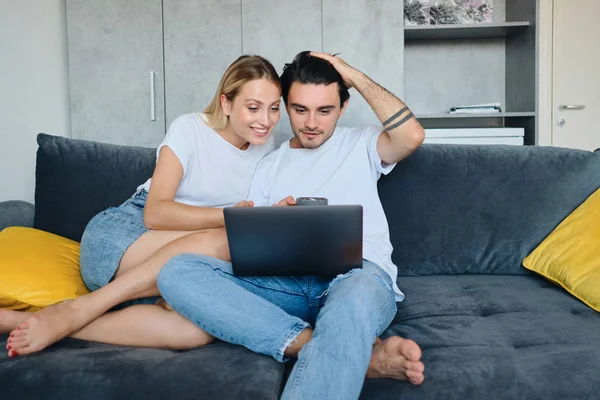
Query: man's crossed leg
269, 315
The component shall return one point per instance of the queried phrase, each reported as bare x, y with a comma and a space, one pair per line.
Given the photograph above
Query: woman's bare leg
58, 321
10, 319
143, 325
146, 245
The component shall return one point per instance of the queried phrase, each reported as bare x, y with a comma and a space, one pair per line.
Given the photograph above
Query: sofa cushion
76, 179
570, 255
481, 209
73, 369
495, 337
37, 269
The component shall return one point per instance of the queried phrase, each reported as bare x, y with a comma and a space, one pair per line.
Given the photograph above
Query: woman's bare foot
46, 327
9, 319
397, 358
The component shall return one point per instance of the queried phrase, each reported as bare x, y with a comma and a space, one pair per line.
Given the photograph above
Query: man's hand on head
349, 74
288, 201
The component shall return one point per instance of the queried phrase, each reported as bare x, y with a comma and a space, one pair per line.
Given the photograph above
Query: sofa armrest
16, 213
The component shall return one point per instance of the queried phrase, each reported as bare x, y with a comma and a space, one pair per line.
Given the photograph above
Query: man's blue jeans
266, 314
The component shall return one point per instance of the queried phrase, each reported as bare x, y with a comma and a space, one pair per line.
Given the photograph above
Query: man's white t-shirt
345, 170
215, 172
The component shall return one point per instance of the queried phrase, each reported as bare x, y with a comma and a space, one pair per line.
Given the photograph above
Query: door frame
545, 72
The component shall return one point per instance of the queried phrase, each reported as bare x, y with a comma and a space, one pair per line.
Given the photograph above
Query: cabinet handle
152, 108
571, 107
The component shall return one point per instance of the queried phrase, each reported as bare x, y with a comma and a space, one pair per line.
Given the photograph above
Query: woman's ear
225, 105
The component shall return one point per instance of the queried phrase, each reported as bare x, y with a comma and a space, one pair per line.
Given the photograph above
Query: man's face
314, 111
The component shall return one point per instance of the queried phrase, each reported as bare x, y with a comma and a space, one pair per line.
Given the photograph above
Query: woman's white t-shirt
215, 172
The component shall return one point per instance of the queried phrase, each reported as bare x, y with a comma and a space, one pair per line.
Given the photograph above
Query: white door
576, 74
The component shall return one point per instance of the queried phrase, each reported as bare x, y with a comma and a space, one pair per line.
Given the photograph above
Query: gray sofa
461, 218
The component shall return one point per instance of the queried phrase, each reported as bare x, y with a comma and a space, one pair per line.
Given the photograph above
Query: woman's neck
228, 134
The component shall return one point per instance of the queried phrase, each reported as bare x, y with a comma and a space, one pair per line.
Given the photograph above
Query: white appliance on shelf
509, 136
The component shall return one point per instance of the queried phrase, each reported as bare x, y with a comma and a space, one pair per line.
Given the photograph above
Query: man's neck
295, 143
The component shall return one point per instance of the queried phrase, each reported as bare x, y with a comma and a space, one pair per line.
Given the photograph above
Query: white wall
34, 88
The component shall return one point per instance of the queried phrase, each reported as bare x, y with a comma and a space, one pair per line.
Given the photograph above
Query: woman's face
254, 111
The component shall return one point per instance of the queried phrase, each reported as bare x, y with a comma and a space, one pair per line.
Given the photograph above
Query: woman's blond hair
243, 70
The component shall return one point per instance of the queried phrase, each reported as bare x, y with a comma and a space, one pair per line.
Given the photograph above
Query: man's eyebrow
296, 105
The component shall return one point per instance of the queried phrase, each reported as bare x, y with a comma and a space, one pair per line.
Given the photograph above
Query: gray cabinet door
114, 45
201, 39
278, 31
369, 35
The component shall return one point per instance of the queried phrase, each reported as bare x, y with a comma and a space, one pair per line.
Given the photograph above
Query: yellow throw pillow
570, 255
37, 269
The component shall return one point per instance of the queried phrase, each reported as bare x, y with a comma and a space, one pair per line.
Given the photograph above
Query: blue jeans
106, 239
266, 314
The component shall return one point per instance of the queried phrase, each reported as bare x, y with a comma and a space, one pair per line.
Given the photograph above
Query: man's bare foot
46, 327
9, 319
397, 358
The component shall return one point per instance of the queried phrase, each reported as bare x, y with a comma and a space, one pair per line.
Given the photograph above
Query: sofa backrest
457, 209
452, 209
76, 179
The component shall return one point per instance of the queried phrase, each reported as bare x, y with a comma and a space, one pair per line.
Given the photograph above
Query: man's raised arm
403, 134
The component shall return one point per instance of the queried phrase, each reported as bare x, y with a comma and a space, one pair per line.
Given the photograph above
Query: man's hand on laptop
245, 203
288, 201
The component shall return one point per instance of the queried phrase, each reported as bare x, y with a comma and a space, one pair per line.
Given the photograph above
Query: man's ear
343, 108
225, 105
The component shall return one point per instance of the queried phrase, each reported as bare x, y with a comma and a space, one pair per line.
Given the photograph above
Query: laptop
295, 240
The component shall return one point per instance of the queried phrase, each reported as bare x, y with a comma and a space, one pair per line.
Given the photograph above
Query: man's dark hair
306, 69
